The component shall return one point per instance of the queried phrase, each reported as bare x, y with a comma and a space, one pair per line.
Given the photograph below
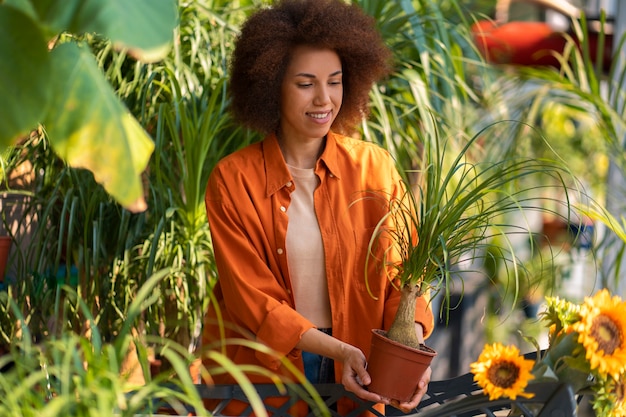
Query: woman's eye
304, 85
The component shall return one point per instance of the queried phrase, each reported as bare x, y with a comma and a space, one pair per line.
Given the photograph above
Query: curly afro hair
263, 50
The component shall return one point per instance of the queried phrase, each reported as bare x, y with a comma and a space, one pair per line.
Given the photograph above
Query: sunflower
619, 406
558, 316
602, 332
502, 371
609, 399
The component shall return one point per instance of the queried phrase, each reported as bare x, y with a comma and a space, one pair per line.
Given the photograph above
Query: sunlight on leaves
90, 128
145, 27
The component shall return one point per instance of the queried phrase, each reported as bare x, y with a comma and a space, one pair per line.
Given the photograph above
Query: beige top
305, 251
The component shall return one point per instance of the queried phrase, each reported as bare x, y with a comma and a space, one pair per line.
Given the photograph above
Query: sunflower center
606, 332
503, 374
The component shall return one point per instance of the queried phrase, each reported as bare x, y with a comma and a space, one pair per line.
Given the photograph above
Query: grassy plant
193, 136
437, 82
192, 131
436, 116
85, 240
83, 375
460, 210
583, 84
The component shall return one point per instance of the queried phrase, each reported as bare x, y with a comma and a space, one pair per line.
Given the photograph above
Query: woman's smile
321, 117
311, 94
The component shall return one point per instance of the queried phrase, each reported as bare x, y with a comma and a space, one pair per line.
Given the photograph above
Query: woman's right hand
355, 376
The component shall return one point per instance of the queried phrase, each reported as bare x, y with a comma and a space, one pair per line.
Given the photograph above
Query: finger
366, 395
408, 406
404, 407
417, 397
363, 377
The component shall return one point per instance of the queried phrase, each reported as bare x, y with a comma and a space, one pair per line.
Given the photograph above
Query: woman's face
311, 94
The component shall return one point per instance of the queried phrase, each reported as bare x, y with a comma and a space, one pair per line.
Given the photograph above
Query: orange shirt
247, 199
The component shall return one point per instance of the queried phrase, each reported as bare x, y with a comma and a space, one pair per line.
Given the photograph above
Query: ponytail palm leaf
456, 211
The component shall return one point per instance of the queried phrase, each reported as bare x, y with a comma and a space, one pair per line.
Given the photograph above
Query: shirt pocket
370, 258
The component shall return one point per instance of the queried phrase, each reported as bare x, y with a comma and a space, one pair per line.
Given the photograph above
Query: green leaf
24, 5
24, 75
90, 128
145, 27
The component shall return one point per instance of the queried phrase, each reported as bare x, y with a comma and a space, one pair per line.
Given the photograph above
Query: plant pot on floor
5, 249
396, 369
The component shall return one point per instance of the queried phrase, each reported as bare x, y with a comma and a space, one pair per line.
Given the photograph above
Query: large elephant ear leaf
144, 27
24, 75
89, 127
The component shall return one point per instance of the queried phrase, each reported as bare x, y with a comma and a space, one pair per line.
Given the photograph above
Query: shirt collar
329, 156
276, 170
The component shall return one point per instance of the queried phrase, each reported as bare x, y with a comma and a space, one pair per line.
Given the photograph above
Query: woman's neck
301, 154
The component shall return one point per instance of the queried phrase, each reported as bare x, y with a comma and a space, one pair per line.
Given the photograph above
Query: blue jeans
319, 369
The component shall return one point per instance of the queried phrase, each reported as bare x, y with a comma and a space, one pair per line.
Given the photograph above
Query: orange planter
520, 43
529, 43
396, 369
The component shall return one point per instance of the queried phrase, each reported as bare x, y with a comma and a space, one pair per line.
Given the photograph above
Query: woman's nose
322, 96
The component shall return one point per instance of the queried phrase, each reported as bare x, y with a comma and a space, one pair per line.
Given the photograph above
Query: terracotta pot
533, 43
396, 369
5, 248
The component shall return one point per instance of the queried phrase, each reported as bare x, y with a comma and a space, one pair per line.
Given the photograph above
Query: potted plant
463, 203
467, 181
5, 239
16, 180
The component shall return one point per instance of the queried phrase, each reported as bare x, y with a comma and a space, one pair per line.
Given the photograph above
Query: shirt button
289, 184
288, 291
280, 251
331, 176
283, 209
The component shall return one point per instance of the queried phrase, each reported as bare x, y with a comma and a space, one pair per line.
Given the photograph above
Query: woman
291, 217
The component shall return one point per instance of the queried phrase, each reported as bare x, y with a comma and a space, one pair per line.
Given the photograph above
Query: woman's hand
355, 374
422, 386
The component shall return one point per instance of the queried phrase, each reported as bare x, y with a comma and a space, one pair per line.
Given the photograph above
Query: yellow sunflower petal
602, 332
502, 372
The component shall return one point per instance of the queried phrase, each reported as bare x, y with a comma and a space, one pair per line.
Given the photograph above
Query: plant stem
402, 329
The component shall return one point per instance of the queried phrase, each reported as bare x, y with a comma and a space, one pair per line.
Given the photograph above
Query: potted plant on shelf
15, 179
459, 210
5, 249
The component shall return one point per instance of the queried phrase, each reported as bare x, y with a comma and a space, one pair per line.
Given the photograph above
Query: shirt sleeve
255, 298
